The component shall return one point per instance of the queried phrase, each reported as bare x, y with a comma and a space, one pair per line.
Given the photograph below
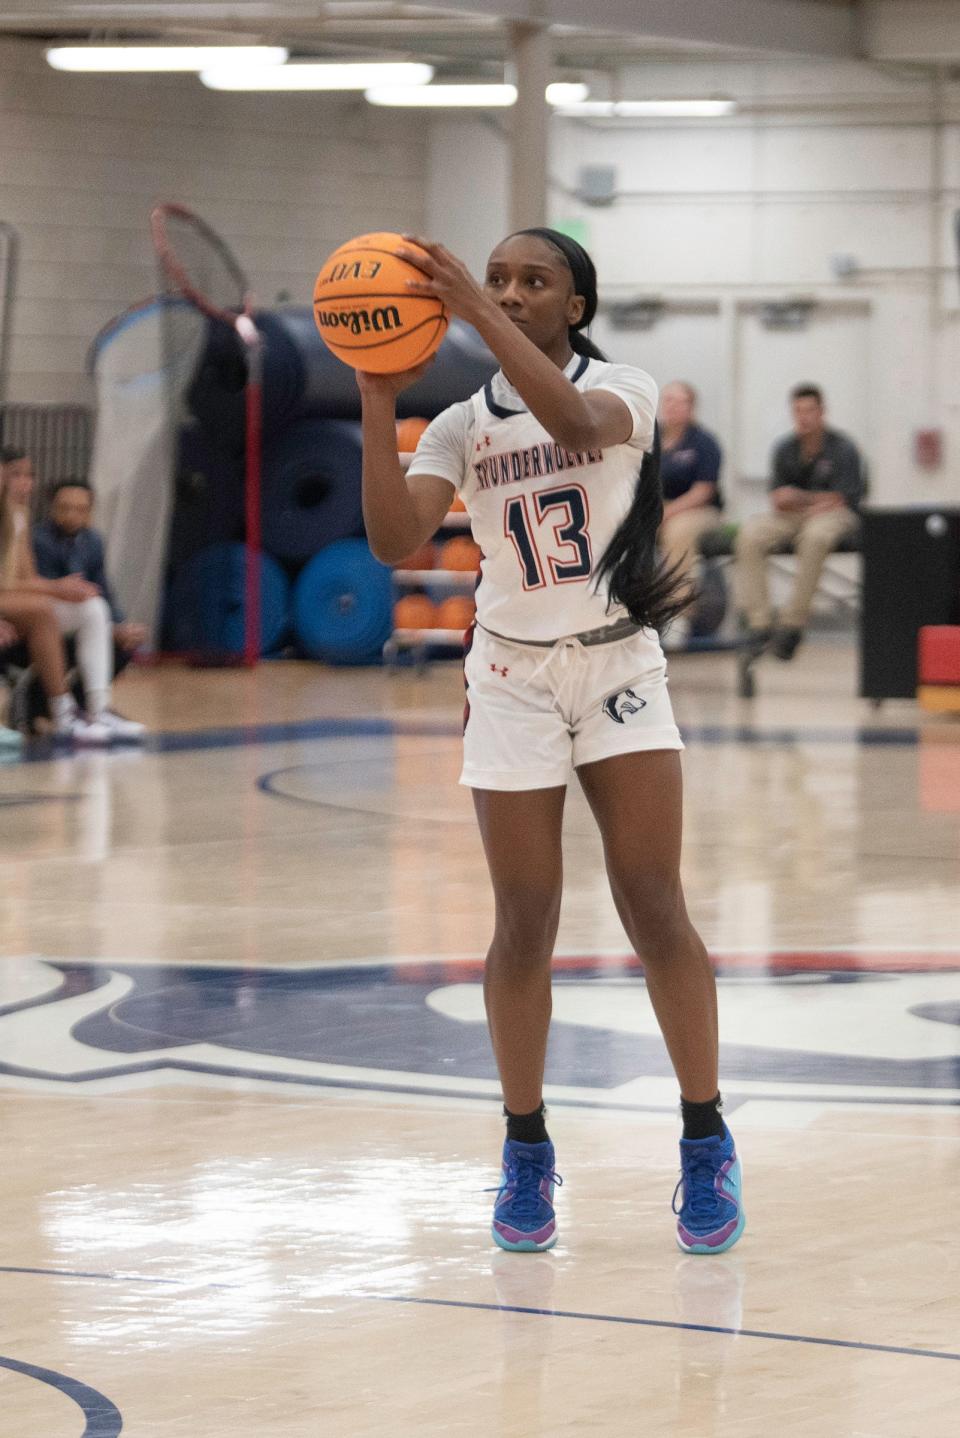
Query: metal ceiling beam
762, 27
785, 27
924, 32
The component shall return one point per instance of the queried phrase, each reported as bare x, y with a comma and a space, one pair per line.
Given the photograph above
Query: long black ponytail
651, 593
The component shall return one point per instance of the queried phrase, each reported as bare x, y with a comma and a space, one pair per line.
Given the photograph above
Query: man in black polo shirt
816, 490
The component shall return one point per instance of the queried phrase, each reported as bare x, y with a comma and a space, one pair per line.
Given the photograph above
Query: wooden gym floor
249, 1116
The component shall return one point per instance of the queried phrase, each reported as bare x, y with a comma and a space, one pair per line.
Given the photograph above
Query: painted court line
103, 1419
246, 735
113, 1277
663, 1323
769, 1335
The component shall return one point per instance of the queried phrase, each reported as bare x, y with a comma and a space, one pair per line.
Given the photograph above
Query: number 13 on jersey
551, 526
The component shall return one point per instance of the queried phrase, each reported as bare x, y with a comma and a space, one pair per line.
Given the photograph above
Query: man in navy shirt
690, 460
816, 490
64, 544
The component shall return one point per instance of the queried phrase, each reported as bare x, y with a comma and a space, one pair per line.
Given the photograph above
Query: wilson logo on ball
366, 312
359, 321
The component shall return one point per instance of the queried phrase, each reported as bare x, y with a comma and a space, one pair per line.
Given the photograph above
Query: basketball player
555, 461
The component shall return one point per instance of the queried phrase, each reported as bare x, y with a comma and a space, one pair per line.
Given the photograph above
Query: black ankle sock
526, 1127
702, 1120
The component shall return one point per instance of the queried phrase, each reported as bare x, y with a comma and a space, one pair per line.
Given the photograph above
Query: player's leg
521, 837
816, 537
637, 801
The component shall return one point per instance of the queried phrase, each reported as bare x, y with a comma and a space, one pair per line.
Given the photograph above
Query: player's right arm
400, 514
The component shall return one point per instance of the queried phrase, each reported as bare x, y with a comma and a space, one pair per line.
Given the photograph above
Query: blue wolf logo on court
817, 1025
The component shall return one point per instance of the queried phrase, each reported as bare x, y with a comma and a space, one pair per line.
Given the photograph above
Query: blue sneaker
523, 1216
710, 1218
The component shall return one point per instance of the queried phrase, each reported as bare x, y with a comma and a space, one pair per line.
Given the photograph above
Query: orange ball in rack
456, 612
460, 553
423, 558
414, 611
365, 313
408, 434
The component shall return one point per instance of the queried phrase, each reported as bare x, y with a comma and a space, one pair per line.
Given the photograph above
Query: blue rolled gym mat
311, 488
216, 395
206, 605
462, 365
207, 498
343, 605
301, 376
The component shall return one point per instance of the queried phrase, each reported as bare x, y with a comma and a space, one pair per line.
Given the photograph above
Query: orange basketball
458, 506
423, 558
460, 553
408, 434
457, 612
414, 611
365, 313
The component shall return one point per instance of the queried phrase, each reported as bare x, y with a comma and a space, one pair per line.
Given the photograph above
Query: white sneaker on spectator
78, 730
71, 727
10, 738
122, 731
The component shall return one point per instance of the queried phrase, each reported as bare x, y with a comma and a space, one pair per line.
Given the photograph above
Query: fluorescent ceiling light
320, 76
649, 109
99, 59
472, 96
563, 92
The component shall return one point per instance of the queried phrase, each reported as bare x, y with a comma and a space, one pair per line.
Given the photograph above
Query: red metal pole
254, 432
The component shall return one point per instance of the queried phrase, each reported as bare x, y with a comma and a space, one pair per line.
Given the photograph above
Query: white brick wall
841, 159
83, 159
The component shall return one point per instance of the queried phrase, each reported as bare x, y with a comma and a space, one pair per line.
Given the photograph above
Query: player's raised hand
444, 277
390, 384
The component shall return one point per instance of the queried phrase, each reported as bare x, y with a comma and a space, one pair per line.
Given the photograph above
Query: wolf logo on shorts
622, 703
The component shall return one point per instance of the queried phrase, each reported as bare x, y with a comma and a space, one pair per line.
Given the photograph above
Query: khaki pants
679, 538
812, 537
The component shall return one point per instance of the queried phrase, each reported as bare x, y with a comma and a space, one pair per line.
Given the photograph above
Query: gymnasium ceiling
472, 37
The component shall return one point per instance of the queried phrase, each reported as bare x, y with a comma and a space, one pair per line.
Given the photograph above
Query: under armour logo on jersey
500, 669
485, 442
625, 702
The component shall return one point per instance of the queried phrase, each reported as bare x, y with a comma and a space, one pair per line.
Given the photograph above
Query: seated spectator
816, 490
79, 609
17, 478
27, 609
64, 543
690, 461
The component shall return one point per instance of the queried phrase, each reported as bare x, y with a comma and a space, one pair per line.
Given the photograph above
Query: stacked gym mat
321, 589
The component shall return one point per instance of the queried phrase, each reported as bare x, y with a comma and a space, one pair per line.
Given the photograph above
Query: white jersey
541, 514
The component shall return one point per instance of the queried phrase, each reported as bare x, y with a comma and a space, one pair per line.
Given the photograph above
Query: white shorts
533, 715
